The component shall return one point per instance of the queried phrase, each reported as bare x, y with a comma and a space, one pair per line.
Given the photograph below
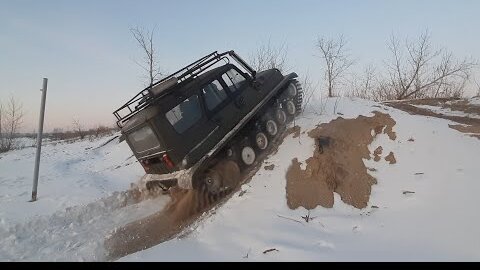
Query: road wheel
261, 140
291, 108
292, 89
280, 116
271, 127
247, 155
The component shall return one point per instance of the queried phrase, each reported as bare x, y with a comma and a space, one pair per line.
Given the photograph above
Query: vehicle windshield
143, 140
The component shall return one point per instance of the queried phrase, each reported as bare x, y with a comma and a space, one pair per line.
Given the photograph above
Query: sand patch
336, 164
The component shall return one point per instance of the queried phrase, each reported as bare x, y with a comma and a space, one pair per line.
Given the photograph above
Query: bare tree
363, 86
150, 64
267, 57
11, 117
78, 129
336, 60
416, 70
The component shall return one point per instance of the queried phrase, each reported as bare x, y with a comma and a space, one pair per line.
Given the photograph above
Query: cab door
219, 105
245, 97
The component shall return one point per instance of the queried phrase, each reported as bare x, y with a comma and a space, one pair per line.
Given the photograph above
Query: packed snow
424, 207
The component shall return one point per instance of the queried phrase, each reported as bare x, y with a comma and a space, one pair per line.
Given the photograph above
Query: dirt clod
340, 167
377, 154
391, 158
295, 130
269, 167
270, 250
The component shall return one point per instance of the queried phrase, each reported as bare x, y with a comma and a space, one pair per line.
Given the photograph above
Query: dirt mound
336, 164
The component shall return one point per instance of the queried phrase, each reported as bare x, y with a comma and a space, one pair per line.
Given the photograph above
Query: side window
236, 78
185, 114
214, 94
229, 83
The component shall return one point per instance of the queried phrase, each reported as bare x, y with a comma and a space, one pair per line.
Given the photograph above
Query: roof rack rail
162, 87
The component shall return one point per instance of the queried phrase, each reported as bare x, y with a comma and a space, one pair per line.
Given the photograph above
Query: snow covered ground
70, 174
79, 200
439, 221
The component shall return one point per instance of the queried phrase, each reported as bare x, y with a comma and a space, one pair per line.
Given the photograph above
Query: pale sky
87, 52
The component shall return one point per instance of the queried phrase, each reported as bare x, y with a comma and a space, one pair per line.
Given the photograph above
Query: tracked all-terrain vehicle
180, 127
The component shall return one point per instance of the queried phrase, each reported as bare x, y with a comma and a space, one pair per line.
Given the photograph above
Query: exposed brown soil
337, 167
473, 130
391, 158
377, 154
457, 105
461, 105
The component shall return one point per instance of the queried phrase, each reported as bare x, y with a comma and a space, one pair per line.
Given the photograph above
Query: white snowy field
70, 174
439, 221
79, 200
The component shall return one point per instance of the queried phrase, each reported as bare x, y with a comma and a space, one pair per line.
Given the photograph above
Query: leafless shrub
362, 86
78, 129
416, 70
309, 89
268, 56
477, 86
11, 117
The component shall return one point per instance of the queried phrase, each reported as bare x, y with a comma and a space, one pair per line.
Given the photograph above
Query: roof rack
147, 95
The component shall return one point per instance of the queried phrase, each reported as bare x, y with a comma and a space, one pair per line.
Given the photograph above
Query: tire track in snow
76, 233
